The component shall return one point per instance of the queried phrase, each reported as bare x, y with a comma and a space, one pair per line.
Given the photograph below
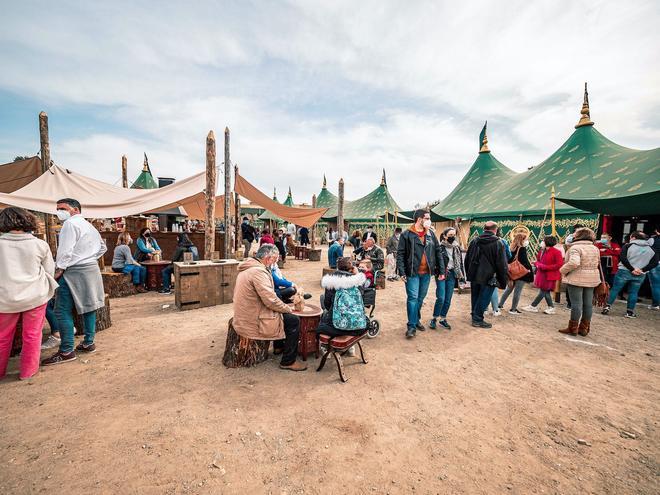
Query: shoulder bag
516, 268
602, 290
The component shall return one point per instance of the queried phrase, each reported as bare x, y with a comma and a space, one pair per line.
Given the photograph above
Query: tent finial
274, 193
383, 180
585, 119
289, 191
325, 182
145, 167
483, 140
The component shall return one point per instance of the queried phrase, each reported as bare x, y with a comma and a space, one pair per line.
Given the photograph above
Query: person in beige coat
581, 273
258, 313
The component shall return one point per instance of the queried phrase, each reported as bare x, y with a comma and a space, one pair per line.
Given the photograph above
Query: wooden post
209, 231
552, 207
227, 238
124, 172
237, 213
314, 226
45, 164
340, 210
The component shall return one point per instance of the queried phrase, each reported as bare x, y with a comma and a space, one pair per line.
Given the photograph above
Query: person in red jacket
266, 238
548, 262
609, 256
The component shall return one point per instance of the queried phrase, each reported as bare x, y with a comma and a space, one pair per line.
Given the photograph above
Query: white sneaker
654, 308
351, 351
549, 311
50, 343
497, 313
530, 309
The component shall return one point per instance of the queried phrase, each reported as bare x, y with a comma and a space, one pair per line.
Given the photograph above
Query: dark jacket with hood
486, 258
410, 250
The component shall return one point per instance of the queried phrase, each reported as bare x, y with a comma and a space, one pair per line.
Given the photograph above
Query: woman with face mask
518, 251
123, 262
548, 262
609, 256
146, 246
455, 272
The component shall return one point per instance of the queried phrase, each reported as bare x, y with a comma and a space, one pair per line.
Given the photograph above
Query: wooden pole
124, 171
314, 226
237, 213
227, 245
552, 208
45, 164
340, 210
209, 230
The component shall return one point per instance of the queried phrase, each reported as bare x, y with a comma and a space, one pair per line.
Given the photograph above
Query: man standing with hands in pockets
418, 258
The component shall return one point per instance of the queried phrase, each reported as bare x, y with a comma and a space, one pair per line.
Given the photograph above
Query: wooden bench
118, 284
338, 346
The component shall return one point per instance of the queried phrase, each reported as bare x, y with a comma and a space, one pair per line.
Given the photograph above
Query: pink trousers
33, 323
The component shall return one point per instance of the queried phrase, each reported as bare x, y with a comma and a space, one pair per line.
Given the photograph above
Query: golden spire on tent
145, 166
383, 180
585, 119
483, 140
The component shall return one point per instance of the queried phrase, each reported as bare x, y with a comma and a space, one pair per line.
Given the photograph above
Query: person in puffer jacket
636, 260
345, 277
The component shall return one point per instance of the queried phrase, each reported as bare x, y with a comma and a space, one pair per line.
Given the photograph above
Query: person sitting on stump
259, 314
123, 262
183, 245
285, 289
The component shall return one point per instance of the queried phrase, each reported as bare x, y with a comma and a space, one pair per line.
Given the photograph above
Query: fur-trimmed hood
342, 280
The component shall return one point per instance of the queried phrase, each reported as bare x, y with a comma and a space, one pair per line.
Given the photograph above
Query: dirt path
466, 411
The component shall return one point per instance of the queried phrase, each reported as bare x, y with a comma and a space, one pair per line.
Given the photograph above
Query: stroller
369, 300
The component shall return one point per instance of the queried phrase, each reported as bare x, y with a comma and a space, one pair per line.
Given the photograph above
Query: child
366, 266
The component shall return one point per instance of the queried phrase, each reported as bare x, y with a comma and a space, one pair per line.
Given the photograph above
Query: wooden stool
241, 352
314, 254
339, 346
118, 284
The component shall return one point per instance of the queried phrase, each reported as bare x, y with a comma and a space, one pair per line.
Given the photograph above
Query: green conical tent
145, 180
289, 199
372, 206
326, 199
267, 216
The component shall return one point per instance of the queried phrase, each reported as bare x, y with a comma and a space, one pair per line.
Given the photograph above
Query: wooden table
155, 273
300, 252
310, 317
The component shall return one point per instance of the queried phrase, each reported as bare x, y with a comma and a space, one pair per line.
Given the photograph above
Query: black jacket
376, 256
486, 258
247, 232
409, 254
373, 236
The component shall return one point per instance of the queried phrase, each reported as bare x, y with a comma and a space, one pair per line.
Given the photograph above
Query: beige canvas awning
303, 217
18, 174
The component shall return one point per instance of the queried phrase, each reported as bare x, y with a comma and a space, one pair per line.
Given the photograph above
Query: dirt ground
516, 409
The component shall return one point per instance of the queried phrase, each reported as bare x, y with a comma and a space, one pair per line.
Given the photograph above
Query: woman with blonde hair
581, 273
123, 262
518, 248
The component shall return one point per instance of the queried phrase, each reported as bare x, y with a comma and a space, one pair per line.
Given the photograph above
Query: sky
340, 88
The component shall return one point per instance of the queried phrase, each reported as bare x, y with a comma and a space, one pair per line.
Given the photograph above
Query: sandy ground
468, 411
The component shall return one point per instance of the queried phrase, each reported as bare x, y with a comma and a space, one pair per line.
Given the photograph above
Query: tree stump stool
241, 352
314, 254
103, 320
118, 284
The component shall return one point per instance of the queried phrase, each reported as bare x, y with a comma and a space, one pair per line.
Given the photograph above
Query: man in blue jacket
335, 252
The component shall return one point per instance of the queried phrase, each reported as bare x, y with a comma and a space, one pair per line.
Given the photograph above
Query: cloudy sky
343, 88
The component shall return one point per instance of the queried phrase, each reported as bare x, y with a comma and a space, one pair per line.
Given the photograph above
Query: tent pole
124, 171
209, 230
237, 212
45, 164
340, 210
314, 226
227, 246
552, 207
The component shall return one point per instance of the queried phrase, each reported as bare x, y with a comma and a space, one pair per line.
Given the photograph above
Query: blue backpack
348, 310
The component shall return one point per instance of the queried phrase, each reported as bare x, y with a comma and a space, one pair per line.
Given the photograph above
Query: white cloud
285, 77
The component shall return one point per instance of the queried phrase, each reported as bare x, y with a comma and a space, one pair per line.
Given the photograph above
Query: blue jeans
138, 272
494, 298
444, 289
654, 280
416, 288
622, 277
480, 295
51, 316
167, 277
64, 311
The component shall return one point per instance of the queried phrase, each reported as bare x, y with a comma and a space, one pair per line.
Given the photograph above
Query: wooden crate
204, 283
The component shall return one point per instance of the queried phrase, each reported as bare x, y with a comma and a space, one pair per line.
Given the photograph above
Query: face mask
451, 240
246, 222
427, 224
147, 234
63, 215
604, 240
542, 245
525, 243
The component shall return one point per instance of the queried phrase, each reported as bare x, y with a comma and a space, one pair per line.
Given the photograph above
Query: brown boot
295, 366
572, 328
585, 326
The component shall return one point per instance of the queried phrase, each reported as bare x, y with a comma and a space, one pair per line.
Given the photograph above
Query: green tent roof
588, 172
326, 199
267, 215
289, 199
145, 180
372, 206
